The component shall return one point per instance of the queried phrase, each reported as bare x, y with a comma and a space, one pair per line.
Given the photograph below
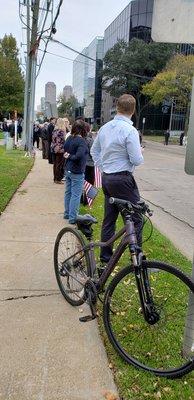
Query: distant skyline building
67, 92
87, 86
42, 104
50, 100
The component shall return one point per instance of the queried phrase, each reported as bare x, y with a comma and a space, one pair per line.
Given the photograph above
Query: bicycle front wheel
157, 348
71, 264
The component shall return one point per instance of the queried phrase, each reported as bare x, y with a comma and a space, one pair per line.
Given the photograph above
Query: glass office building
118, 30
134, 21
87, 81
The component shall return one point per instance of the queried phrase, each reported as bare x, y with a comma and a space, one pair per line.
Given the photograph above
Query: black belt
118, 173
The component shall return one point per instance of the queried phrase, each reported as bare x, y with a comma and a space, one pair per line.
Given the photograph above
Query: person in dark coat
50, 129
19, 130
75, 153
166, 137
181, 138
45, 143
11, 129
36, 134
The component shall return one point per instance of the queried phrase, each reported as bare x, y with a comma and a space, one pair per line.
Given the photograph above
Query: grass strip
13, 169
133, 383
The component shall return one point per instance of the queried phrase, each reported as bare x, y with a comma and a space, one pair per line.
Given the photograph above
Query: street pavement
46, 353
170, 192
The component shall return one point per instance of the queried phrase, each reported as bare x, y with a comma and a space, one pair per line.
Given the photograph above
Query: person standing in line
57, 148
116, 151
181, 138
5, 131
36, 134
76, 151
45, 143
11, 129
166, 137
50, 129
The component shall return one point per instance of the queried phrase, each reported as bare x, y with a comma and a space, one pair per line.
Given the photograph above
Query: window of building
150, 6
149, 20
134, 21
142, 20
134, 7
142, 6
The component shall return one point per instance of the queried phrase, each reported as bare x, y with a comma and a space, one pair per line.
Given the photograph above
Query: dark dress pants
58, 167
45, 149
123, 186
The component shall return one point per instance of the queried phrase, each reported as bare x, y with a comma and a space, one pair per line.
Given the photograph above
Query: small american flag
98, 178
90, 192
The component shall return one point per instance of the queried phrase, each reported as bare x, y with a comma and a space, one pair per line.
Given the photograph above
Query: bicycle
143, 303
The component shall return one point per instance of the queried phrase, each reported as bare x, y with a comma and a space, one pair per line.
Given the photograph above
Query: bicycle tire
138, 343
79, 265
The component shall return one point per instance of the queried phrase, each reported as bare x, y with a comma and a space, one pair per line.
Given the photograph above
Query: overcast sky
78, 24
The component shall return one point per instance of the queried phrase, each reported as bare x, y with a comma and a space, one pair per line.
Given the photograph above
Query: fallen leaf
158, 395
110, 396
167, 389
135, 388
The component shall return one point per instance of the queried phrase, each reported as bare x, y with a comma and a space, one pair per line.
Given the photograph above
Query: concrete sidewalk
46, 353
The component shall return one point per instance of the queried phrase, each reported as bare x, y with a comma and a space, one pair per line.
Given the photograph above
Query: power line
58, 55
51, 32
70, 48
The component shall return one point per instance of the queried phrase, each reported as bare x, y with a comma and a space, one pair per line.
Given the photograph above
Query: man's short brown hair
126, 104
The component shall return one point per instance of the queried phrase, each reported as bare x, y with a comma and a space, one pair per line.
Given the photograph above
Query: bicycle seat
86, 219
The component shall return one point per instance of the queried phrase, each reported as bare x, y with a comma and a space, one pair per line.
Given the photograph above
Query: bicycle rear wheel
71, 264
157, 348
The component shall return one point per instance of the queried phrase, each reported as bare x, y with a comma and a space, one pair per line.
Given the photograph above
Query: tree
11, 77
66, 107
127, 66
175, 81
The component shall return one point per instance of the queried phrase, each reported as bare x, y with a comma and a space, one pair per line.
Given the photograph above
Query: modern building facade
87, 81
50, 100
67, 92
134, 21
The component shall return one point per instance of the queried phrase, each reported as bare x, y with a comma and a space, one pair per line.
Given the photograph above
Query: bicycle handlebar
141, 206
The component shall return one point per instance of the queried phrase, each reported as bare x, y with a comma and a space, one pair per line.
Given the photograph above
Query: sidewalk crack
30, 296
167, 212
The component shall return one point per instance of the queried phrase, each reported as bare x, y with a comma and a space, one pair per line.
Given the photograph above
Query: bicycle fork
149, 311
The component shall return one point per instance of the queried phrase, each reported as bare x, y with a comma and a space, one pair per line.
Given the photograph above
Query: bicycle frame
141, 276
128, 239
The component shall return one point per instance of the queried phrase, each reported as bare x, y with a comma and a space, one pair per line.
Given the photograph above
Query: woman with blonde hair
57, 148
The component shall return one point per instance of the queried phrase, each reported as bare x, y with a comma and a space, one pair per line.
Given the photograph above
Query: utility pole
32, 47
27, 81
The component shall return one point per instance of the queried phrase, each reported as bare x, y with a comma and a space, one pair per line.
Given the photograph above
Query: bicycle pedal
87, 318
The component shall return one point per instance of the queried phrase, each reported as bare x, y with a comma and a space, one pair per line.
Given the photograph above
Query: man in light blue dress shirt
117, 151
